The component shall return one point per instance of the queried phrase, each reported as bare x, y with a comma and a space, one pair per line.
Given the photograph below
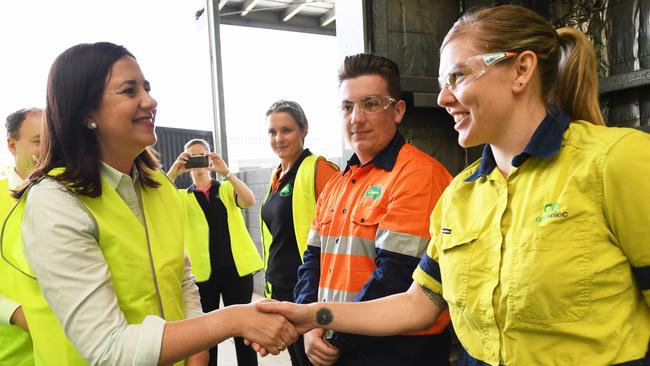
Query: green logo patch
551, 211
286, 191
373, 192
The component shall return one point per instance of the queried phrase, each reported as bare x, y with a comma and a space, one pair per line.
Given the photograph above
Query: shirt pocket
455, 260
551, 274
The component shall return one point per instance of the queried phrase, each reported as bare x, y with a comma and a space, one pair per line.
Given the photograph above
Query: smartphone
197, 161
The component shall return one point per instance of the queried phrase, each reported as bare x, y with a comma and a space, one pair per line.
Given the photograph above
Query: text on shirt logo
551, 211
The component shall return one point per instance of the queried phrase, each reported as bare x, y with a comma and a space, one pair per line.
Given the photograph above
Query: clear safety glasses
369, 105
457, 75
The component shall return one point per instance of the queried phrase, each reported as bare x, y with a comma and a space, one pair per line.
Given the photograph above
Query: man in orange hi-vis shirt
372, 222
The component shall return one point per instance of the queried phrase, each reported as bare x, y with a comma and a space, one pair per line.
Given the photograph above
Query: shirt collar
193, 188
386, 158
292, 171
114, 177
545, 143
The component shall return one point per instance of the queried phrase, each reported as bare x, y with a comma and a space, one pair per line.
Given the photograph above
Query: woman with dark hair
290, 204
224, 266
103, 231
540, 248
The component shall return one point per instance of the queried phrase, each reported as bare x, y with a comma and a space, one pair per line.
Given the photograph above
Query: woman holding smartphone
225, 266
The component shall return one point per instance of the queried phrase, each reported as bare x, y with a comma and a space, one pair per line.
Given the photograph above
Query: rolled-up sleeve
60, 243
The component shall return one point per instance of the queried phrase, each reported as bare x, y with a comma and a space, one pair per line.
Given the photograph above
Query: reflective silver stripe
326, 294
349, 245
314, 238
402, 243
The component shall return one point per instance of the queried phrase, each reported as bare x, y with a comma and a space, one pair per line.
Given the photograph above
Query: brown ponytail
577, 81
567, 65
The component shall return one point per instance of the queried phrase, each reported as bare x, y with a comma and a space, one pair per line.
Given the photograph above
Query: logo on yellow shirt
551, 211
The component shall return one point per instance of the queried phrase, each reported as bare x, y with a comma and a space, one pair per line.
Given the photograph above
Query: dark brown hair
15, 121
369, 64
75, 87
566, 59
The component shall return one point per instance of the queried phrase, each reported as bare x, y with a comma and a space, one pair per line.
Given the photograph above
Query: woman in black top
233, 257
287, 128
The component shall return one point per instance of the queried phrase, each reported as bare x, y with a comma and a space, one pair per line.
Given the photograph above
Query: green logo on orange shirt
551, 211
286, 191
373, 192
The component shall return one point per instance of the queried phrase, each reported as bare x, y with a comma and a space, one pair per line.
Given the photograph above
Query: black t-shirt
277, 214
217, 216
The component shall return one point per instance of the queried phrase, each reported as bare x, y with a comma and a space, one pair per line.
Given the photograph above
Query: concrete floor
227, 355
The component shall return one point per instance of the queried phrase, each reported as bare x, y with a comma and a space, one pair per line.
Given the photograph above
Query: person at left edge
225, 266
24, 143
102, 231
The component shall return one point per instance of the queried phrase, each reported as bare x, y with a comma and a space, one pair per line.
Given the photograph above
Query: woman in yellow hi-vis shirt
103, 231
539, 249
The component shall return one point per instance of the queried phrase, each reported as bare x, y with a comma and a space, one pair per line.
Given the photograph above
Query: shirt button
354, 181
344, 210
363, 220
329, 270
336, 241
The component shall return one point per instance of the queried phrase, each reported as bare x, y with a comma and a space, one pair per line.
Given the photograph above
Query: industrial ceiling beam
328, 17
294, 9
248, 6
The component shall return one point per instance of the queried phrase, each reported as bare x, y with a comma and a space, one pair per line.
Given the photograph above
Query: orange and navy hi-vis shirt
371, 227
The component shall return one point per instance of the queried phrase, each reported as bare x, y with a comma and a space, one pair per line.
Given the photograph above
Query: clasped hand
302, 317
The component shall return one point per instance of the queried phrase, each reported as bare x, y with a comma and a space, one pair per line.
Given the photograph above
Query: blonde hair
566, 59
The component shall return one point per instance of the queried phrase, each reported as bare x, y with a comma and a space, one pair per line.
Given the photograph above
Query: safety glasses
457, 75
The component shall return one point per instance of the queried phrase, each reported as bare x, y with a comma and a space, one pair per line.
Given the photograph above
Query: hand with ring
282, 347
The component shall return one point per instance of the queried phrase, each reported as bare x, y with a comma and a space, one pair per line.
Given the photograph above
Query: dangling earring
92, 125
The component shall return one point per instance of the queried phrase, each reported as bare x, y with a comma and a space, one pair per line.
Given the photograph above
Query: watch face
324, 316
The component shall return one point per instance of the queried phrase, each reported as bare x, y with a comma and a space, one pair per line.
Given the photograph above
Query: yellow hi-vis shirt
551, 265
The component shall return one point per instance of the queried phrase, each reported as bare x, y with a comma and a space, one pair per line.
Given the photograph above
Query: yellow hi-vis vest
15, 343
303, 206
247, 258
144, 283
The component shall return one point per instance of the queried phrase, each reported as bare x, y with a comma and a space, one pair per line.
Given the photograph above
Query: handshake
270, 326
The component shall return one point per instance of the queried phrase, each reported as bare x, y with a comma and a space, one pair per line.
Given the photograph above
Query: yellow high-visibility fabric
15, 344
538, 268
247, 258
140, 292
